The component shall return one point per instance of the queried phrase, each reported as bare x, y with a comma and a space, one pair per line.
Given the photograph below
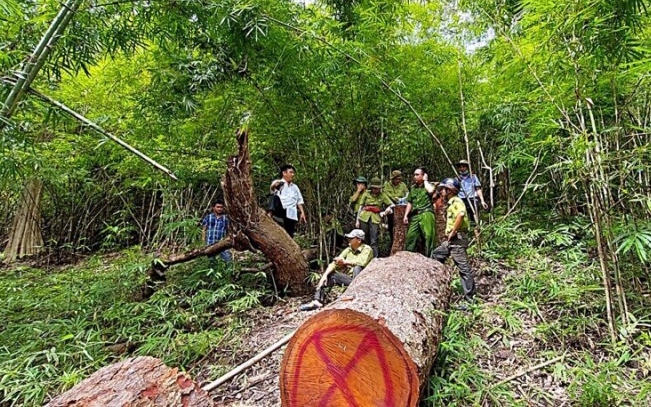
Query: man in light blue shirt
470, 192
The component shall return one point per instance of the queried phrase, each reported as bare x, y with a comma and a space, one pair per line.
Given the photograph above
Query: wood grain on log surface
135, 382
375, 345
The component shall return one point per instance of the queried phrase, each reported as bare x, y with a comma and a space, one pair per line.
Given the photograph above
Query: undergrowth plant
551, 304
62, 325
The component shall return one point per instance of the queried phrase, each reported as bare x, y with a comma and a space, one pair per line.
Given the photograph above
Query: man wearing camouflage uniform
456, 231
419, 214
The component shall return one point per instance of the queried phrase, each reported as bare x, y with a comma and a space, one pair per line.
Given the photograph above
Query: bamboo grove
549, 100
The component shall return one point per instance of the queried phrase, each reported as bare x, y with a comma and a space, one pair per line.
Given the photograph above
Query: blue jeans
226, 255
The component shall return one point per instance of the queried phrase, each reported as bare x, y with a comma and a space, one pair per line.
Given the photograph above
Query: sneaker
310, 306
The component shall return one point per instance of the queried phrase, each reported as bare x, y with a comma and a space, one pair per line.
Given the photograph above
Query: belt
372, 208
415, 212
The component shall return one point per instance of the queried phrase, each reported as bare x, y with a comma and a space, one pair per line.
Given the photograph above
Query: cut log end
344, 357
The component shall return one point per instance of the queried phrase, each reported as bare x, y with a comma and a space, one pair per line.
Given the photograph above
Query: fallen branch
531, 369
239, 369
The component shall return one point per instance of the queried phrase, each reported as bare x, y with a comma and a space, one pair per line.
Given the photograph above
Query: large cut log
290, 267
135, 382
376, 344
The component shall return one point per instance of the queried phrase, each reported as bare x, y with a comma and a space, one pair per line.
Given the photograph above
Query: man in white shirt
287, 201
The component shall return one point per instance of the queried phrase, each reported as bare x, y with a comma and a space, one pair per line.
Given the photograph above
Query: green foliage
70, 317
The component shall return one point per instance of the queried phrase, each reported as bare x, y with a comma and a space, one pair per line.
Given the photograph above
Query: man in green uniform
395, 190
360, 187
353, 259
419, 214
456, 230
370, 213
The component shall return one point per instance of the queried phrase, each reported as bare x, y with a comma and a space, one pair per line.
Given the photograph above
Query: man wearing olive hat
470, 191
352, 260
360, 185
395, 190
370, 213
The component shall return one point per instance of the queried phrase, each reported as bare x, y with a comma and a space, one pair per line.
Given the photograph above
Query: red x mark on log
369, 342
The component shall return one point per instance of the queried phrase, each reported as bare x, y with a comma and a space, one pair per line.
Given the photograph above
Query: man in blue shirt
470, 191
215, 228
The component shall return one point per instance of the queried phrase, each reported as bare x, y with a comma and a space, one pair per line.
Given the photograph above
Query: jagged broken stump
375, 345
135, 382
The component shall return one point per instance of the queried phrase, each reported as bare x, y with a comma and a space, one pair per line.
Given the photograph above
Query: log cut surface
136, 382
376, 344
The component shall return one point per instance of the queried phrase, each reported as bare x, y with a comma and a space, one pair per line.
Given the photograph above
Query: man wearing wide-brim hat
470, 192
395, 190
371, 212
360, 187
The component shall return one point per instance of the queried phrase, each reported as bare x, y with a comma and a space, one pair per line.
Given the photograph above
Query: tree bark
399, 229
135, 382
439, 218
376, 344
25, 238
251, 222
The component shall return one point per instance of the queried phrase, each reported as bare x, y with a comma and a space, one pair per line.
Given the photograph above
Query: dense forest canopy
548, 99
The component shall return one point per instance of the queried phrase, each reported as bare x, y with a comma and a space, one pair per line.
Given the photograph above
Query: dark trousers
457, 250
371, 230
339, 279
390, 220
280, 216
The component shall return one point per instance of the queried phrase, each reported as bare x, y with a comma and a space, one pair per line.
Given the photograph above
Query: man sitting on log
456, 231
354, 258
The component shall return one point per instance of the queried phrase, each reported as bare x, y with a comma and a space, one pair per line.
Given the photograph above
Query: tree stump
439, 217
376, 344
135, 382
399, 229
250, 221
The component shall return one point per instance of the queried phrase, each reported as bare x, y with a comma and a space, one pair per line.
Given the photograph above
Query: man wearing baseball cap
456, 232
351, 261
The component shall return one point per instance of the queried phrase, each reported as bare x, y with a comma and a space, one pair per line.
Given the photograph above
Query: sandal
310, 306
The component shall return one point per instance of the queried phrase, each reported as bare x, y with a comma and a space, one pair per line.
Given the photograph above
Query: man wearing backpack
287, 201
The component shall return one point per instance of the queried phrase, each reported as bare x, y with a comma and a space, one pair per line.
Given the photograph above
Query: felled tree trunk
136, 382
25, 238
376, 344
399, 229
247, 219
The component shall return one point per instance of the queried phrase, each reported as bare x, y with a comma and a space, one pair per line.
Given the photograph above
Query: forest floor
536, 306
259, 386
503, 351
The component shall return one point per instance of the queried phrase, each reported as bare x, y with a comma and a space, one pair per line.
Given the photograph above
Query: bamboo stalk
38, 57
529, 370
239, 369
100, 130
